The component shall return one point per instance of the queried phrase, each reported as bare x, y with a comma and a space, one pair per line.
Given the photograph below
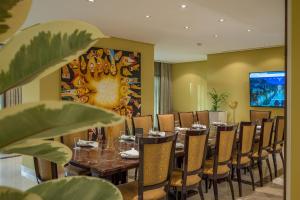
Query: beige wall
295, 102
226, 72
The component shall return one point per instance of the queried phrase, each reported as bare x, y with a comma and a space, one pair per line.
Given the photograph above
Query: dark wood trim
54, 173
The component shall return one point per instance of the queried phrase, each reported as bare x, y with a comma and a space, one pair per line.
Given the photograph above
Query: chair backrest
68, 140
144, 122
246, 139
186, 119
225, 140
166, 122
195, 152
266, 134
203, 117
258, 115
279, 131
45, 170
156, 159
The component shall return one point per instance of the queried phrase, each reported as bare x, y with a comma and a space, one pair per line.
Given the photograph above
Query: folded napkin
127, 137
179, 145
157, 133
181, 129
87, 143
199, 126
258, 127
132, 153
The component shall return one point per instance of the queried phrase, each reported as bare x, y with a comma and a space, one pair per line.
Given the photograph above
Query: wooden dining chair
69, 140
258, 115
45, 170
278, 142
219, 167
242, 154
156, 159
189, 176
186, 119
264, 146
144, 122
203, 117
166, 122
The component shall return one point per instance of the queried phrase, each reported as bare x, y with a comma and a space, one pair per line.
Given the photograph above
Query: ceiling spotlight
183, 6
199, 44
249, 30
91, 1
187, 27
148, 16
221, 20
216, 35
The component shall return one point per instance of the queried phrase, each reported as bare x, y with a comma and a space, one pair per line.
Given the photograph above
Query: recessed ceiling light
216, 35
91, 1
187, 27
249, 30
199, 44
183, 6
221, 20
148, 16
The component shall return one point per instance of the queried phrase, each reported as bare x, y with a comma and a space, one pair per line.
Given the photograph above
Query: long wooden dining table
107, 162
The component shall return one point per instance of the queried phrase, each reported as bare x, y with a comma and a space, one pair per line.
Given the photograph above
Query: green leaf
77, 188
42, 49
46, 149
51, 119
12, 15
7, 193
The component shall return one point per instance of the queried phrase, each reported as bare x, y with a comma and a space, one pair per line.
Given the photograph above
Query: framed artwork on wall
106, 78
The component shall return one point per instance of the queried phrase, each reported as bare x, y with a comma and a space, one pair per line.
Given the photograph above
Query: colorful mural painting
105, 77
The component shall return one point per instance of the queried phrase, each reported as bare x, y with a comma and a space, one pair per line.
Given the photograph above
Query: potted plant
32, 54
217, 100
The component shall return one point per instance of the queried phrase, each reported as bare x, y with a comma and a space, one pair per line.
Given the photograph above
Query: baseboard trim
28, 173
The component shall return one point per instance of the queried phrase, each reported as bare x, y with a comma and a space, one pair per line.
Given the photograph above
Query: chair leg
282, 159
206, 185
215, 185
275, 163
231, 186
232, 172
200, 191
252, 178
259, 163
269, 166
239, 177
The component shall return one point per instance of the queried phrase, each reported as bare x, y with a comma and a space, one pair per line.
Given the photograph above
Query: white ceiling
165, 28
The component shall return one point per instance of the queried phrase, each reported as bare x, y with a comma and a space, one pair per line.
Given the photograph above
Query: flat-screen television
267, 89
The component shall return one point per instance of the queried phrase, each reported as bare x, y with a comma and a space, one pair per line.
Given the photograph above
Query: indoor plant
217, 99
31, 54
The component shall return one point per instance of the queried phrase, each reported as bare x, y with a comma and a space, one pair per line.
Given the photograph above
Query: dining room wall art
106, 78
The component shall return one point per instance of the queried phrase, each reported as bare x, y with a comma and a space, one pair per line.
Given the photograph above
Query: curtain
162, 88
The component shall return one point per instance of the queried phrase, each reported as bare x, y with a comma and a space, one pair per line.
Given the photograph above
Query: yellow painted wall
226, 72
295, 101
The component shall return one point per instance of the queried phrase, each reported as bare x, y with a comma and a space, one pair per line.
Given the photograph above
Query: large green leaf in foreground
42, 49
50, 119
12, 15
7, 193
77, 188
46, 149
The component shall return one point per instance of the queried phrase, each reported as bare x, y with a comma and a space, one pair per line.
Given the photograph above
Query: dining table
107, 162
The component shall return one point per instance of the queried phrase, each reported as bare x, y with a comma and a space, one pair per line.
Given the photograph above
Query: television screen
267, 89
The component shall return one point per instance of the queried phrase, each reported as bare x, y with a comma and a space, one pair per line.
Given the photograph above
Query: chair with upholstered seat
241, 156
203, 117
69, 140
258, 115
186, 119
144, 122
46, 170
264, 146
166, 122
189, 176
219, 167
156, 159
278, 142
